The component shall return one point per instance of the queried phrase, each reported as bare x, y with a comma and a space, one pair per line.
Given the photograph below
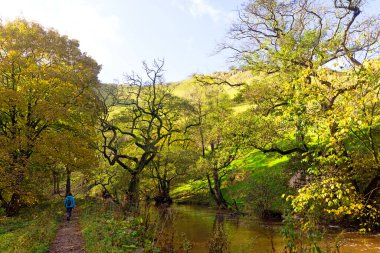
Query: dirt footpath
69, 237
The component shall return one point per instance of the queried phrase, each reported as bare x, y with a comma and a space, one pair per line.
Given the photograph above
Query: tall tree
46, 83
223, 147
173, 164
137, 119
216, 134
319, 93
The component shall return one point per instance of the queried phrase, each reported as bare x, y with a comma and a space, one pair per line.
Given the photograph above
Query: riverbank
197, 229
106, 228
253, 184
182, 228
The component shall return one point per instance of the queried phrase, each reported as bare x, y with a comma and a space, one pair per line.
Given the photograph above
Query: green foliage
304, 108
105, 229
298, 240
172, 165
257, 182
47, 108
33, 230
246, 180
335, 199
266, 187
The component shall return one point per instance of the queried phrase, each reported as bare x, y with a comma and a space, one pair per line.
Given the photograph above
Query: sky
121, 34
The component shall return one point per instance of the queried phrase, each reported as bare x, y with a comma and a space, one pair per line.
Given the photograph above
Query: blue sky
120, 34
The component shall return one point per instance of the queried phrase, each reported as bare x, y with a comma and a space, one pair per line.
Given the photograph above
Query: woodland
291, 133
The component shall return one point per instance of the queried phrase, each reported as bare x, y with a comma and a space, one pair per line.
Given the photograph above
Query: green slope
256, 182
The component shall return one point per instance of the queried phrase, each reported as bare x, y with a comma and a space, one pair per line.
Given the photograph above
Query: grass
106, 229
259, 182
33, 230
182, 88
256, 182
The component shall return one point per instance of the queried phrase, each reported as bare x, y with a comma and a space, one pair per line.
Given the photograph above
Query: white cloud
199, 8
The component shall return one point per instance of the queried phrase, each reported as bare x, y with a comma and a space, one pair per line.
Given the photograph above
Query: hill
256, 181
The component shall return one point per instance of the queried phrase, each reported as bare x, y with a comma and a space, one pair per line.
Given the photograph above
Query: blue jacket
72, 202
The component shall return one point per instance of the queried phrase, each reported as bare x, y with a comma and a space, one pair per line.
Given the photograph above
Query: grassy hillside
255, 181
183, 88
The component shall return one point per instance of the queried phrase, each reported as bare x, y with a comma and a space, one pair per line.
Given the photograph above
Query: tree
137, 120
318, 95
72, 152
172, 163
46, 84
216, 134
110, 180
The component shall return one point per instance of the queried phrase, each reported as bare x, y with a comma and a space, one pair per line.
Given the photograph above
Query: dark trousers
68, 212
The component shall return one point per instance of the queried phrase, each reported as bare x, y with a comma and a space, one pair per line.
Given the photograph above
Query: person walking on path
69, 205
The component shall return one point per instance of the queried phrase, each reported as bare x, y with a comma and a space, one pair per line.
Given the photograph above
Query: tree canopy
318, 98
46, 89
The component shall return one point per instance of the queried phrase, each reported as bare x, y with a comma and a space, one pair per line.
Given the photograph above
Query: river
201, 230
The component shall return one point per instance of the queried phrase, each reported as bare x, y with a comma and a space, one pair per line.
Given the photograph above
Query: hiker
69, 204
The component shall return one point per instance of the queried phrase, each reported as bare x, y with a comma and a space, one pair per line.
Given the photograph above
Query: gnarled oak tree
137, 120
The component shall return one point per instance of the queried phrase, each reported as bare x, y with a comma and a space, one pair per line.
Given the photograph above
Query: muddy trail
69, 237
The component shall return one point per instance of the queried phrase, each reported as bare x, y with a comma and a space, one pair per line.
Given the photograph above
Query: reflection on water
218, 241
165, 230
201, 230
208, 231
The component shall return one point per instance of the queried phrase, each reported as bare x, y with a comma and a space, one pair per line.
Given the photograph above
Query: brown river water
206, 231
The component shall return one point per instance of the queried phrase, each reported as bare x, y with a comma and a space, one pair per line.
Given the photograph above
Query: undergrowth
33, 230
107, 229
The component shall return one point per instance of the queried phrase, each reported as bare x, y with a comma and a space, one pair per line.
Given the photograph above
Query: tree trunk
12, 208
55, 183
215, 190
372, 189
68, 182
163, 197
132, 195
220, 201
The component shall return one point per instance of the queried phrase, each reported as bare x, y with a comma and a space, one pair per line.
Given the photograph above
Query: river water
201, 230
